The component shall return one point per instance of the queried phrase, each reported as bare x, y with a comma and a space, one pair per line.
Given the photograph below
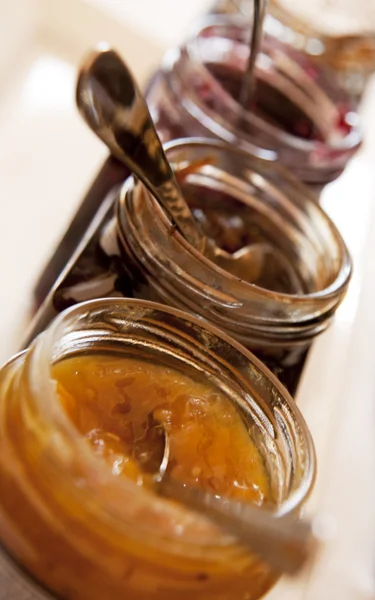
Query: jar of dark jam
298, 113
79, 515
338, 35
300, 266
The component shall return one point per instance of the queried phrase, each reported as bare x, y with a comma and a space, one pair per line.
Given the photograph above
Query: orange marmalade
111, 401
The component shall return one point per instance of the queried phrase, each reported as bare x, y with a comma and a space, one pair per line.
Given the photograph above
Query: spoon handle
284, 544
248, 82
111, 103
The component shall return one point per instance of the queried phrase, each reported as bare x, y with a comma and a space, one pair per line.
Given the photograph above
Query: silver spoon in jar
285, 544
248, 82
112, 105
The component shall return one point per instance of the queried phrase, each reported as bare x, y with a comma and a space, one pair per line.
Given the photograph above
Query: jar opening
275, 212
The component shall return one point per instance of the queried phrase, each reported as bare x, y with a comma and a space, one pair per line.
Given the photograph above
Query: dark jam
269, 103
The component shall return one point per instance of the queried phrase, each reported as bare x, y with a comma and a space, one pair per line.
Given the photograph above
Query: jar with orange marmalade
79, 516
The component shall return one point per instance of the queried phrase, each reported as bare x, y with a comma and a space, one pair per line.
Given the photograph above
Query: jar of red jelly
338, 35
298, 274
298, 114
79, 518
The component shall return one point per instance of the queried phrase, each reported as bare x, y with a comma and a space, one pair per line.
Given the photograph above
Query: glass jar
84, 533
299, 114
301, 265
339, 35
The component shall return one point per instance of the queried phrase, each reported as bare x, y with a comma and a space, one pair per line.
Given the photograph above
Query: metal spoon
284, 544
112, 105
248, 81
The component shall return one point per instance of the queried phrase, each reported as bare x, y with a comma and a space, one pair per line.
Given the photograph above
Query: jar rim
42, 348
346, 143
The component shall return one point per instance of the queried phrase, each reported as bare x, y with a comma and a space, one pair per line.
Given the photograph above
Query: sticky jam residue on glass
113, 401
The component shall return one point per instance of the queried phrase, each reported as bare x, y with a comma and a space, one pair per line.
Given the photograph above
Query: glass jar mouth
100, 321
281, 71
287, 199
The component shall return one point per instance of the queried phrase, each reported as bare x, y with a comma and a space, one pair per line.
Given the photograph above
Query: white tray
47, 160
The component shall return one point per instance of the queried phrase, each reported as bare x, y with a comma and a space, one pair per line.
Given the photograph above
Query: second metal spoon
248, 82
111, 103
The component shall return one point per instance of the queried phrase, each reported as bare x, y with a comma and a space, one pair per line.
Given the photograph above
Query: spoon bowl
247, 263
